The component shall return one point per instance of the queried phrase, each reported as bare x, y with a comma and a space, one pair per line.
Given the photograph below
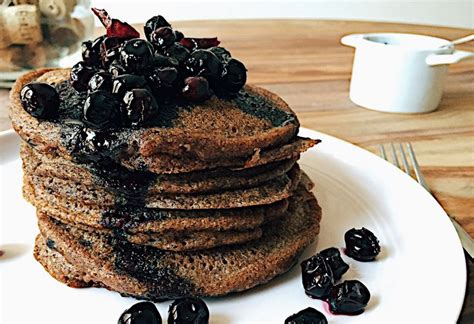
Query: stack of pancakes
211, 201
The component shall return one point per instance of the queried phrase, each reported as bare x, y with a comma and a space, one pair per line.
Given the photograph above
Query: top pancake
217, 129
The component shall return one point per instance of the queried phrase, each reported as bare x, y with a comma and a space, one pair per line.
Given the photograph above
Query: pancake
272, 191
115, 176
254, 120
149, 273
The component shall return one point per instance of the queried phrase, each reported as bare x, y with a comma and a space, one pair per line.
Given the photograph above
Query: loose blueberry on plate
136, 55
139, 106
196, 89
307, 316
203, 63
100, 81
234, 75
101, 110
80, 76
361, 244
163, 37
348, 298
153, 24
333, 258
141, 313
126, 82
188, 310
318, 278
40, 100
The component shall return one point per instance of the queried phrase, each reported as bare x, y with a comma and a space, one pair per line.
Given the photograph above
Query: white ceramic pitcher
400, 73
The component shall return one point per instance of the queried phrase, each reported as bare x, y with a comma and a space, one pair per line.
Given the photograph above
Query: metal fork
466, 240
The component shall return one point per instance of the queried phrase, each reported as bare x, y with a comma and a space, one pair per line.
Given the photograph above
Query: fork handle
466, 240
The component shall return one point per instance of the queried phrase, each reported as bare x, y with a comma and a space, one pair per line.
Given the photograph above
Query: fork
466, 240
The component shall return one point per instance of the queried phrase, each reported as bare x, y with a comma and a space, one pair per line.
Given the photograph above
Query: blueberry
110, 50
163, 37
40, 100
116, 69
177, 51
335, 262
141, 313
196, 89
188, 310
139, 107
101, 110
100, 81
162, 78
361, 244
349, 298
307, 316
222, 54
318, 278
160, 60
136, 55
203, 63
153, 24
80, 76
91, 51
234, 76
179, 35
125, 82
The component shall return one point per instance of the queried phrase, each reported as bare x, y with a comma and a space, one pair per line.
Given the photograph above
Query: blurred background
453, 13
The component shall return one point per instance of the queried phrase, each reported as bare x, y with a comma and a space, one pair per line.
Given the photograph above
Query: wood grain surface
304, 62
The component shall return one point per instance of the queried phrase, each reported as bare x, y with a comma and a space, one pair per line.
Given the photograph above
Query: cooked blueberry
333, 258
100, 81
203, 63
196, 89
136, 55
307, 316
179, 35
91, 51
101, 110
139, 106
188, 310
318, 278
361, 244
221, 53
141, 313
125, 82
40, 100
160, 60
80, 76
349, 298
116, 69
177, 51
163, 80
110, 50
163, 37
153, 24
234, 76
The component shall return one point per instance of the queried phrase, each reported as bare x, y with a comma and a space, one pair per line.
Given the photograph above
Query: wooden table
303, 61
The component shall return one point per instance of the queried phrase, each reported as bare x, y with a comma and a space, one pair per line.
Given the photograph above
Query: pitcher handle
442, 59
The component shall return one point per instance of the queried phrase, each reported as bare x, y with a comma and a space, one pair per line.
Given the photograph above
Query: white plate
419, 276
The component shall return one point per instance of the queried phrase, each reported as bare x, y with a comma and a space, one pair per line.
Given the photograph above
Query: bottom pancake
149, 273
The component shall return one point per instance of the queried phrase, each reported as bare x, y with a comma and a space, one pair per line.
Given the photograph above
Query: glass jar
39, 33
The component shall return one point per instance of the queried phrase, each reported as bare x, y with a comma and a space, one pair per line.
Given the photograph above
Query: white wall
454, 13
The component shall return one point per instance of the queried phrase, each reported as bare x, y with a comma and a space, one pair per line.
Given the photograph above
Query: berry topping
126, 82
101, 110
335, 262
153, 24
196, 43
114, 27
177, 51
196, 89
116, 69
141, 313
179, 35
349, 298
80, 76
110, 50
161, 61
136, 55
163, 80
307, 316
188, 310
222, 54
318, 278
361, 244
40, 100
100, 81
203, 63
234, 76
139, 106
163, 37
